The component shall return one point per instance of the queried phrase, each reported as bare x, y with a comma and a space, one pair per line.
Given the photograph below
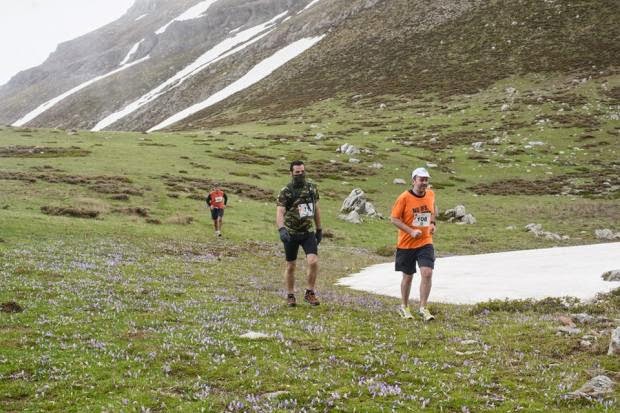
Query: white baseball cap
422, 172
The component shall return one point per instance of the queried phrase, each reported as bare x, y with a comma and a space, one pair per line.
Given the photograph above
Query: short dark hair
295, 163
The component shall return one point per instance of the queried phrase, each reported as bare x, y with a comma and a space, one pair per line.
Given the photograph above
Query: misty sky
31, 29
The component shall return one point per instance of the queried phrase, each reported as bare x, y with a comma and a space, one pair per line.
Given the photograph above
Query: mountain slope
192, 50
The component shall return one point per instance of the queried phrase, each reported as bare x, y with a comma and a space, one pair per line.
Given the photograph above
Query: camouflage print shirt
300, 205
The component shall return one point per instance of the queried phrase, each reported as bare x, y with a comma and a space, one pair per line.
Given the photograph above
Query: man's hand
415, 233
433, 226
284, 235
318, 235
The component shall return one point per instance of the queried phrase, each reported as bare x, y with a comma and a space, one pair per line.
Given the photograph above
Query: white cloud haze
31, 29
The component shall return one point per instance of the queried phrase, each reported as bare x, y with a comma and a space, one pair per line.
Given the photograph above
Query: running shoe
404, 312
425, 314
290, 300
310, 298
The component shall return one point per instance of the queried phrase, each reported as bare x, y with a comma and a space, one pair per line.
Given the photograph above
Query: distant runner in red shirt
216, 201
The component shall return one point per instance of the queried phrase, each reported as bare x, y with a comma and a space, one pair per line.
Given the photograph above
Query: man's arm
434, 218
317, 215
225, 199
280, 210
404, 227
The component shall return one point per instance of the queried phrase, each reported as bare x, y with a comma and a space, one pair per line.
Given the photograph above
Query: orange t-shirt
416, 212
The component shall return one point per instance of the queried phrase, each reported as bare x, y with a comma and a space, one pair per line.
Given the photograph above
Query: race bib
422, 219
306, 210
219, 199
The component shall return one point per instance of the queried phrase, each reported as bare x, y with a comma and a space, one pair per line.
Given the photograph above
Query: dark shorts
217, 213
306, 240
406, 258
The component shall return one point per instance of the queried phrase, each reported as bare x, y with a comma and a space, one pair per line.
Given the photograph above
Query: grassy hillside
130, 304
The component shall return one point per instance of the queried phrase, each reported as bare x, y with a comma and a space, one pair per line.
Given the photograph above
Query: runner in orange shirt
413, 214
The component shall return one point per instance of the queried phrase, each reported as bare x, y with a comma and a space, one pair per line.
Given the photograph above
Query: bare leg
219, 224
405, 288
289, 276
313, 269
426, 283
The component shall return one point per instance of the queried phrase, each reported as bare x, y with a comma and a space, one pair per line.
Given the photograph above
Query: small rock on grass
254, 335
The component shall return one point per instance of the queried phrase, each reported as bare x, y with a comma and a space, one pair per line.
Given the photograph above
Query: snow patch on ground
549, 272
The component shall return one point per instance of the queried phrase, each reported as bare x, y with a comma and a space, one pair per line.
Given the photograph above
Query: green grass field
131, 304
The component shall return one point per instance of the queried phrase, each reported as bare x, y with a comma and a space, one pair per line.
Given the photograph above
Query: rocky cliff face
163, 57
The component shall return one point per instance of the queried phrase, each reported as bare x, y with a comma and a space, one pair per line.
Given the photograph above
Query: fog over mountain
187, 64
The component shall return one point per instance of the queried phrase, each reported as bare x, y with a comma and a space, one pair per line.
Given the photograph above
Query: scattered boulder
477, 145
399, 181
566, 320
505, 107
598, 386
468, 219
458, 215
348, 149
583, 318
319, 136
376, 165
254, 335
352, 217
356, 205
613, 275
571, 331
614, 344
354, 160
537, 230
606, 234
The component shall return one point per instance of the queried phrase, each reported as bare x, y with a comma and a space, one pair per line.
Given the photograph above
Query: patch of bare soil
69, 211
195, 250
11, 307
321, 169
41, 152
139, 211
246, 156
197, 188
105, 184
604, 183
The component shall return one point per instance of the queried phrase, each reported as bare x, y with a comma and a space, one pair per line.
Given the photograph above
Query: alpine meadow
117, 296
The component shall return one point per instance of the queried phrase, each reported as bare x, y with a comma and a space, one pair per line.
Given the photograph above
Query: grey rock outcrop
399, 181
606, 234
537, 230
458, 215
613, 275
348, 149
614, 344
355, 206
598, 386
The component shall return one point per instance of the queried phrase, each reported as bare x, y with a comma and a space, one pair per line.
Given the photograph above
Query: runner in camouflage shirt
297, 212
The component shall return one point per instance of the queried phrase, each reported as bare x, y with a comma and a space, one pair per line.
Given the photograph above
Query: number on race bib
306, 210
422, 219
219, 199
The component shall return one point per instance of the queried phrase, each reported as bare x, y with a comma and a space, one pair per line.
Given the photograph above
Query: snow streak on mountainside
47, 105
193, 13
257, 73
218, 52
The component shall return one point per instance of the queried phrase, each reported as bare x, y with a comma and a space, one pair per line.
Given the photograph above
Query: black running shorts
307, 240
406, 259
217, 213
